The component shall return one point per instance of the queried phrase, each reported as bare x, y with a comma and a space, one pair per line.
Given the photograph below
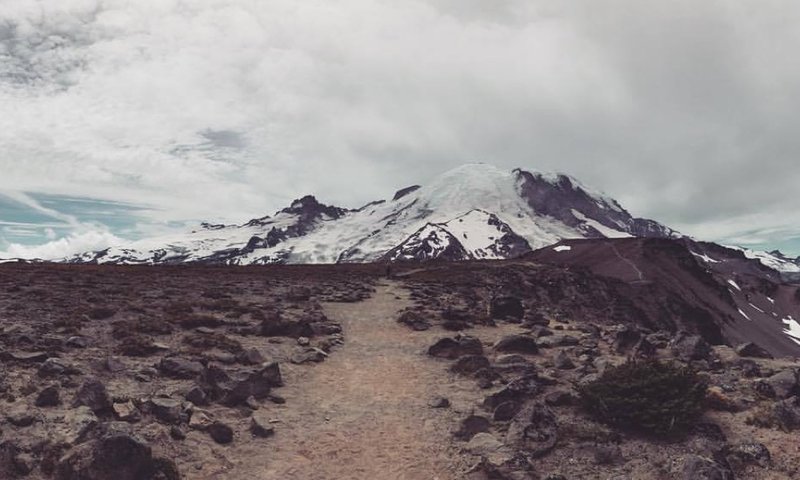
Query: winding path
363, 414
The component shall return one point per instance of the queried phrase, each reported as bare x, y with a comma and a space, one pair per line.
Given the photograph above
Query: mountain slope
702, 287
486, 212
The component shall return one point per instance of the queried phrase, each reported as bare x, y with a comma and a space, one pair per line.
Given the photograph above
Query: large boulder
115, 456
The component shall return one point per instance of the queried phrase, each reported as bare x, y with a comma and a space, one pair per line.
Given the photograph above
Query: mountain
776, 260
472, 212
681, 284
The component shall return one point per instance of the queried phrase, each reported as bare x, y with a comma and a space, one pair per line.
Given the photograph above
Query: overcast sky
122, 117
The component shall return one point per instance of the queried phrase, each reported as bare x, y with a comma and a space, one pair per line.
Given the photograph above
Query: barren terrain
445, 371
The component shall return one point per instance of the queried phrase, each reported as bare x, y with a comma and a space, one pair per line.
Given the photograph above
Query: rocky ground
445, 372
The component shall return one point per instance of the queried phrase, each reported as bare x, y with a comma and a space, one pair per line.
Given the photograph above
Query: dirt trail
363, 414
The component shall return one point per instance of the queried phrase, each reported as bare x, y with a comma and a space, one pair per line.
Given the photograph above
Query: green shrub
648, 396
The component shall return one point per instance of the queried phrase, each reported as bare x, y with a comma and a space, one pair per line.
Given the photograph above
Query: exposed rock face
564, 199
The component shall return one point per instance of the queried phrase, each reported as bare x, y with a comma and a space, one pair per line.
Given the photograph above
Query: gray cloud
225, 109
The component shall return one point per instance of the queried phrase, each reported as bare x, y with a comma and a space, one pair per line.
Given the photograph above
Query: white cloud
78, 242
227, 109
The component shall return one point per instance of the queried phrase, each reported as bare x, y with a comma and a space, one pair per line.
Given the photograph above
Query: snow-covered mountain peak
475, 211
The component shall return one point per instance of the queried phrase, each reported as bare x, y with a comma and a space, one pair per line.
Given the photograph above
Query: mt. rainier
475, 211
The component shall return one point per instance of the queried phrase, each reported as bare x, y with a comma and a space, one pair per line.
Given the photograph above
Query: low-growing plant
647, 396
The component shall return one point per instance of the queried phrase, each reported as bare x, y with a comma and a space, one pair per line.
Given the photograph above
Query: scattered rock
180, 368
505, 411
472, 425
414, 320
49, 397
690, 347
54, 366
220, 432
126, 411
439, 402
453, 348
25, 357
700, 468
469, 364
20, 416
517, 344
166, 410
489, 448
197, 396
625, 339
560, 340
93, 394
563, 362
558, 398
506, 307
747, 453
783, 384
309, 354
517, 390
116, 456
533, 430
607, 454
251, 356
751, 349
199, 420
260, 425
77, 342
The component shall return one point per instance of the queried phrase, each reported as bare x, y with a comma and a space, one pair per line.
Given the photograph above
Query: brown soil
363, 413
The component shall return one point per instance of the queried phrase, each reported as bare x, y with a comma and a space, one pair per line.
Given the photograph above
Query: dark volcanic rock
220, 432
534, 430
48, 397
453, 348
439, 402
414, 320
260, 425
234, 388
700, 468
180, 368
471, 426
93, 394
517, 344
783, 384
559, 340
469, 364
506, 307
690, 347
519, 390
751, 349
625, 339
116, 456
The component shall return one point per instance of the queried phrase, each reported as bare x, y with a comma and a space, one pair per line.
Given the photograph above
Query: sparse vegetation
649, 396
